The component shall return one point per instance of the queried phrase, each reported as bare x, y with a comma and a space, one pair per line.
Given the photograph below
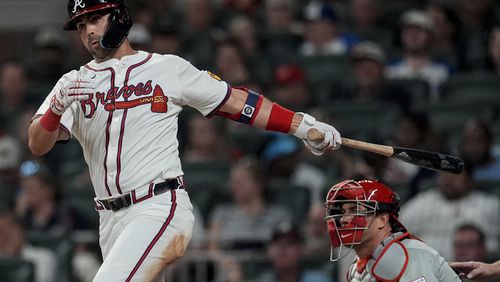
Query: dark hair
474, 228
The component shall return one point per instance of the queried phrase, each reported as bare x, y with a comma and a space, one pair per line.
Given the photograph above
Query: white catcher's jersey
128, 129
424, 265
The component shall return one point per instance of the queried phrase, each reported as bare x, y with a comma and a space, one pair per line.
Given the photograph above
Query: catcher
363, 216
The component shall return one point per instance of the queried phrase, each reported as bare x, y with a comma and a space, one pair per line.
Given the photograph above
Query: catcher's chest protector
388, 262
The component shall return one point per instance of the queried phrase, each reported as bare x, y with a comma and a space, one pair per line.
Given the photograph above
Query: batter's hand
331, 140
79, 90
477, 270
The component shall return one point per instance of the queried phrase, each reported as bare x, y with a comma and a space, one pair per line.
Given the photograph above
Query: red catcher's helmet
348, 203
120, 24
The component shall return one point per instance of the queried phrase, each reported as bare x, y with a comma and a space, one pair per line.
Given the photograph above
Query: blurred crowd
419, 74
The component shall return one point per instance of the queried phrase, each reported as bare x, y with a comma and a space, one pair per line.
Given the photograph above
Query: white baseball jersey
424, 265
128, 130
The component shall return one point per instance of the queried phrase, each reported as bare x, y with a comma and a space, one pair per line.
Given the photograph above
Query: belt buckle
114, 204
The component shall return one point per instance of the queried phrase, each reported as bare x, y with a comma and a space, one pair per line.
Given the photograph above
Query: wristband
280, 119
50, 121
305, 124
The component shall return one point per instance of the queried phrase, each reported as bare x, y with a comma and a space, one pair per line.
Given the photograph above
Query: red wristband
50, 121
280, 119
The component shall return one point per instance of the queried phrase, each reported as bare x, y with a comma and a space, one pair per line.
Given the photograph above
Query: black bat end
453, 164
430, 160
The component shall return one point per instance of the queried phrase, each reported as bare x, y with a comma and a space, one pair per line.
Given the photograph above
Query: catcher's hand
79, 90
330, 141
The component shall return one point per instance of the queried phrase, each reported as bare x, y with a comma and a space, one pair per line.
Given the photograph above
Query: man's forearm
41, 140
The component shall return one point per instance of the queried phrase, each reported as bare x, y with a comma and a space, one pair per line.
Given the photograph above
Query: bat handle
315, 135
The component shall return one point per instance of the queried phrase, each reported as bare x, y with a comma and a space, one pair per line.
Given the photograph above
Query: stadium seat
417, 88
62, 246
472, 88
449, 117
16, 270
206, 185
82, 202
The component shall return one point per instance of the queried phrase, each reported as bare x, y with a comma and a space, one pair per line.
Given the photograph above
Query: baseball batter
123, 107
363, 215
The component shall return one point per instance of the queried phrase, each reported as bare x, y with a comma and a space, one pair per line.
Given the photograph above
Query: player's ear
382, 220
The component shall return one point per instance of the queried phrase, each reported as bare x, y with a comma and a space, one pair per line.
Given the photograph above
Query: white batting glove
331, 141
79, 90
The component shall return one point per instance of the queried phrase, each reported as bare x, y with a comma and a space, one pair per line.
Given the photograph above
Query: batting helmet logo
78, 4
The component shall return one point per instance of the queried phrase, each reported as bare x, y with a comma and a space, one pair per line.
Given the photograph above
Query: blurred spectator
477, 18
166, 38
281, 159
140, 37
291, 88
246, 222
323, 35
317, 243
286, 251
10, 159
417, 37
365, 14
230, 63
50, 60
435, 214
478, 14
243, 31
477, 148
413, 130
199, 32
13, 245
369, 84
494, 50
205, 141
282, 32
242, 6
13, 93
446, 42
280, 17
469, 243
38, 203
22, 129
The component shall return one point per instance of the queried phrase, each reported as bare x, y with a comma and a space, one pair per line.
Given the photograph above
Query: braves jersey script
128, 129
424, 265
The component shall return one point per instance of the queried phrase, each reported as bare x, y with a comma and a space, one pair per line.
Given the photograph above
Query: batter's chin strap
250, 109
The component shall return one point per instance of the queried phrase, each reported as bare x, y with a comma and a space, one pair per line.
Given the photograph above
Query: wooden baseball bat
426, 159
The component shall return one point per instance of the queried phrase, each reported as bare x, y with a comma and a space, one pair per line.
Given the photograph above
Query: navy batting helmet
120, 24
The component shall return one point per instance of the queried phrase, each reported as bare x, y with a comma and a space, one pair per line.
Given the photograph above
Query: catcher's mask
120, 23
348, 204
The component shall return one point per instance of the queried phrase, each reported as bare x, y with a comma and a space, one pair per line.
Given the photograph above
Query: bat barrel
430, 160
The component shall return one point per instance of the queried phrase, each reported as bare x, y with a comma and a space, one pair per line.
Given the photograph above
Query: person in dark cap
370, 84
285, 251
417, 33
323, 35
